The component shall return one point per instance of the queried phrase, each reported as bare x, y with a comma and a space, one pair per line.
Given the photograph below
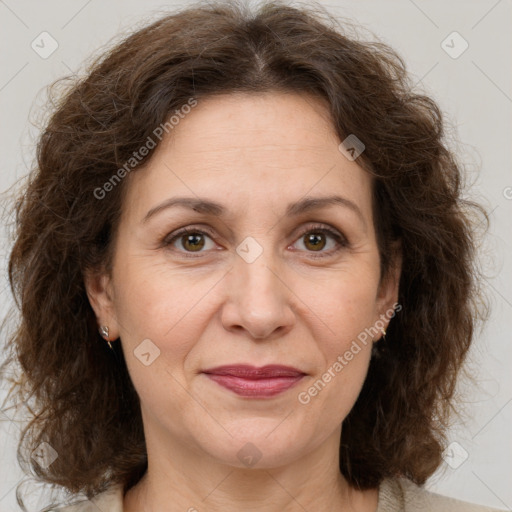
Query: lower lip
256, 388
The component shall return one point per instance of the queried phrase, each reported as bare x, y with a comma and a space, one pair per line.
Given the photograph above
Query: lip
256, 382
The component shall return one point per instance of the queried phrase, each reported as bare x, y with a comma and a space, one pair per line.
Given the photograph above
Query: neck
188, 481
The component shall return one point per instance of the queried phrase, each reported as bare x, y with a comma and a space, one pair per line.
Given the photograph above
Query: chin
259, 444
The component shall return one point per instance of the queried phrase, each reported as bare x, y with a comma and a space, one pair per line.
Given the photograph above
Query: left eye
315, 240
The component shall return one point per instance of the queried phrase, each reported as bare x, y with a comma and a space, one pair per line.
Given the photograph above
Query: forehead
251, 148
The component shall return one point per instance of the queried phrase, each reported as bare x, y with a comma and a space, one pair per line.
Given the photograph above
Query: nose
258, 299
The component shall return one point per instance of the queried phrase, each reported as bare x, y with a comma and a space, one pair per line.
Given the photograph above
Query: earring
104, 333
378, 348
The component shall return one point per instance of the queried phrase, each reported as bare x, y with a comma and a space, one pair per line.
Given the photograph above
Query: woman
245, 273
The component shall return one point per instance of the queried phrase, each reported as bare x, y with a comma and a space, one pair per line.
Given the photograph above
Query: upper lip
253, 372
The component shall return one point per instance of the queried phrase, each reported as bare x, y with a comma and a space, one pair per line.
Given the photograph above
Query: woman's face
256, 281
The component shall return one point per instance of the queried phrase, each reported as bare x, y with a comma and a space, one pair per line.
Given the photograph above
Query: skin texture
254, 154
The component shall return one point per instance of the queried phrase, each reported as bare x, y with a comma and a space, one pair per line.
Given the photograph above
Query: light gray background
474, 91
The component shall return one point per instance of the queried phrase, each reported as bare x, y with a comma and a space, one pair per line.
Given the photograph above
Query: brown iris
193, 242
317, 241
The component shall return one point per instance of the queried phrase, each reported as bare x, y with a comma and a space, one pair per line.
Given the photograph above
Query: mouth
250, 381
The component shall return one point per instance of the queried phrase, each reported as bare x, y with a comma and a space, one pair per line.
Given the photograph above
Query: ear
387, 295
99, 290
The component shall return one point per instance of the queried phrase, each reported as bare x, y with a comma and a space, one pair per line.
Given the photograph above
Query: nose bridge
257, 280
258, 299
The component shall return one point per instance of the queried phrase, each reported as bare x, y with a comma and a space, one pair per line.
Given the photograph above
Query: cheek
346, 310
173, 310
345, 305
161, 314
155, 301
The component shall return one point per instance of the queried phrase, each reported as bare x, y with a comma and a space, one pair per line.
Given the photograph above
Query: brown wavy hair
83, 403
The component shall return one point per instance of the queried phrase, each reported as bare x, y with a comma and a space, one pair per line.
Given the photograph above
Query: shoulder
402, 495
110, 500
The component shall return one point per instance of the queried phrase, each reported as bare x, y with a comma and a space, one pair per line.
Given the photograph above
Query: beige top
395, 495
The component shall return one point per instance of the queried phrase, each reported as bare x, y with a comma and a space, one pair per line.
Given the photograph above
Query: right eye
188, 240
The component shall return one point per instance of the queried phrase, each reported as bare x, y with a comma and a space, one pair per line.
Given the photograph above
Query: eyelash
341, 241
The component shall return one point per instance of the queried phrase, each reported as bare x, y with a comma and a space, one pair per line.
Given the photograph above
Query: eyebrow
208, 207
